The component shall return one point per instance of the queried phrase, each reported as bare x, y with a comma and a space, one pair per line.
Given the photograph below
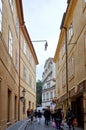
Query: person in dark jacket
28, 112
70, 117
39, 115
58, 118
31, 115
35, 114
47, 116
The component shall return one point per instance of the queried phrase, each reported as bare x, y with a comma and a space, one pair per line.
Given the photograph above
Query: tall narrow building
70, 59
18, 62
49, 85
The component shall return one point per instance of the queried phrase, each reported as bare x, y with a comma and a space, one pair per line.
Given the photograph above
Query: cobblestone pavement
27, 125
36, 126
19, 125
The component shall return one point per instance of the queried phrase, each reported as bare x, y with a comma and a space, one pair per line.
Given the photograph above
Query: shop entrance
79, 111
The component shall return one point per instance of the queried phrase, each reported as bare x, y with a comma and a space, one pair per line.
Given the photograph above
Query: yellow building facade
70, 59
18, 62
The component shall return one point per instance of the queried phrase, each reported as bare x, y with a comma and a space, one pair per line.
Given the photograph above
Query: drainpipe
66, 51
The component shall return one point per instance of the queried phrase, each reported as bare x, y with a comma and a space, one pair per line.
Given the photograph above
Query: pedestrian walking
39, 115
47, 116
35, 114
28, 112
58, 118
31, 115
62, 112
69, 118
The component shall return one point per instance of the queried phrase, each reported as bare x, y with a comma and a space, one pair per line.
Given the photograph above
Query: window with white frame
24, 73
0, 15
30, 80
10, 43
70, 31
63, 76
34, 67
16, 60
30, 57
17, 25
45, 86
24, 47
63, 49
48, 85
71, 67
43, 96
47, 96
11, 4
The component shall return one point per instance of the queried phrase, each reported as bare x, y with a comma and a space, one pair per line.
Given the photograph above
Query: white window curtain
70, 31
24, 73
11, 4
17, 25
24, 47
10, 43
16, 60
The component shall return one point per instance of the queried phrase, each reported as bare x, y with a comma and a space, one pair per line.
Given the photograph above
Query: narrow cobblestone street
27, 125
42, 126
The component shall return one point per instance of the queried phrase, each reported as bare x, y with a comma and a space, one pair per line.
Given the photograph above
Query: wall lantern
22, 98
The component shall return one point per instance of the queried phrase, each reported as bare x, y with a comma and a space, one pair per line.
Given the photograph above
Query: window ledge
70, 39
58, 90
15, 120
71, 77
84, 8
9, 123
63, 85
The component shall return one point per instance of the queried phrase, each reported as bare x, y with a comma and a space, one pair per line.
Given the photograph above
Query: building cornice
48, 89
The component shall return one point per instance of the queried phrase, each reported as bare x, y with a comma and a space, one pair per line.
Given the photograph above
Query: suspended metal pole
21, 26
46, 43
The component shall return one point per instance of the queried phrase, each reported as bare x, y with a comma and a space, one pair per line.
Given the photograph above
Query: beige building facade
70, 59
18, 62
